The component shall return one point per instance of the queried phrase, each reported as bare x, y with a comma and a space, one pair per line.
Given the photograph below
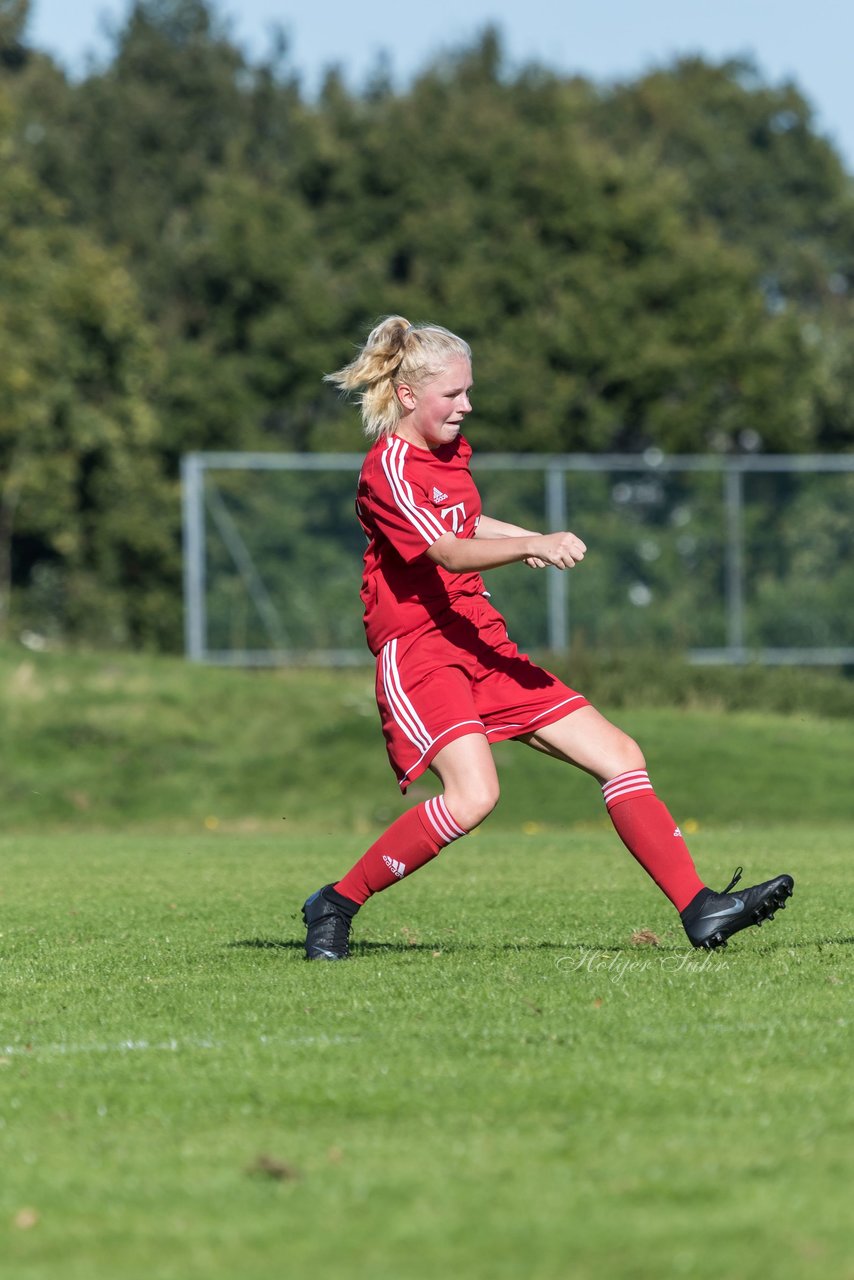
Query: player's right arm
473, 555
394, 501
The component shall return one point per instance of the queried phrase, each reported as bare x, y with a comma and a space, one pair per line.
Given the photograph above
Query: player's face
438, 407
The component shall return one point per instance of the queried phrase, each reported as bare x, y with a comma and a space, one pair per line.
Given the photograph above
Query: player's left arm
488, 527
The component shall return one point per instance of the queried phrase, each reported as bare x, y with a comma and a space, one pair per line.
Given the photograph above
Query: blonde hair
395, 352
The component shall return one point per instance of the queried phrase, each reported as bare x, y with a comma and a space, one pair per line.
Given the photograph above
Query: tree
14, 15
604, 314
84, 504
752, 162
663, 263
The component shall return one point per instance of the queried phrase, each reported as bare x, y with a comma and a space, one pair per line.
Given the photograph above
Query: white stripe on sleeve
424, 521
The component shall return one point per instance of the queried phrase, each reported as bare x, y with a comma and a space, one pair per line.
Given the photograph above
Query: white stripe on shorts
576, 697
452, 728
402, 709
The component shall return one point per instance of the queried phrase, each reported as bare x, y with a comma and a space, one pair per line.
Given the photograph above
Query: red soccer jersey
406, 499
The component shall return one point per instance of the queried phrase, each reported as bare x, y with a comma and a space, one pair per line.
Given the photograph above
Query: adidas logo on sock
438, 495
396, 868
677, 832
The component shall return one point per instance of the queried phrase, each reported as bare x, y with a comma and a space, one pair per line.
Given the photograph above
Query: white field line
63, 1049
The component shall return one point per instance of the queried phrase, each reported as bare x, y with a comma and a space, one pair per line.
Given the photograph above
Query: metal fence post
557, 583
193, 519
734, 564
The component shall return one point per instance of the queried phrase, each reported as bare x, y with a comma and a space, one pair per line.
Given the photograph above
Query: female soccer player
449, 680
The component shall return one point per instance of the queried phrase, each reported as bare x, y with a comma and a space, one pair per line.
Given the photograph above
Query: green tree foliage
85, 509
150, 127
752, 161
14, 15
189, 243
603, 312
180, 152
754, 165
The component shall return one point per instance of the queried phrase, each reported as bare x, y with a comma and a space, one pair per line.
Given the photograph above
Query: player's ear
405, 395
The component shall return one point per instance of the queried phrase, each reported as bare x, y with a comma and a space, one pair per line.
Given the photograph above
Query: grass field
93, 742
501, 1083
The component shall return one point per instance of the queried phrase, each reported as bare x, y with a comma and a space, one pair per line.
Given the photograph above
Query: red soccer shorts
435, 685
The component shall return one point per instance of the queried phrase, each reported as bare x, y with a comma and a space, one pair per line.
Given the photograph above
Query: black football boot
711, 919
328, 916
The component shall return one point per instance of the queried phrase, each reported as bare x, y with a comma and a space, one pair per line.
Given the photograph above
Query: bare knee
623, 756
470, 807
467, 772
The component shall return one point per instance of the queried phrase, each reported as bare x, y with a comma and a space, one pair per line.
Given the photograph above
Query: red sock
648, 831
415, 838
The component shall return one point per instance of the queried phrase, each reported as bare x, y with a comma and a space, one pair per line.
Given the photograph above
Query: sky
807, 41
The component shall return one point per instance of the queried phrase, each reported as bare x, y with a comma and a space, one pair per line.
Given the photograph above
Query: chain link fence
729, 559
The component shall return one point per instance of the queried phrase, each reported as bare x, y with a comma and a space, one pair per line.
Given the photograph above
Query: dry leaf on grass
269, 1167
645, 938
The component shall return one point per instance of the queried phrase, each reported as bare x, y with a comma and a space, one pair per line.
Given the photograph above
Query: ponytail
395, 352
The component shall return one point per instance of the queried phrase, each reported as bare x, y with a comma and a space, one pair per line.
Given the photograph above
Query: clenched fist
562, 550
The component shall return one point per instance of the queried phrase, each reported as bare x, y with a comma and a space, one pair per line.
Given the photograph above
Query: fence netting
718, 561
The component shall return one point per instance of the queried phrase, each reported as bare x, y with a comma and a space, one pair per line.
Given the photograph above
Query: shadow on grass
357, 948
450, 948
268, 944
297, 944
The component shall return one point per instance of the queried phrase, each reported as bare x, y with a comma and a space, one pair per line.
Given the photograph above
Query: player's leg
470, 791
469, 779
591, 742
588, 740
470, 783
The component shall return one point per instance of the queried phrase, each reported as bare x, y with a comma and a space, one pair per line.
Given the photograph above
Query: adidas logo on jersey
677, 832
438, 496
397, 868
